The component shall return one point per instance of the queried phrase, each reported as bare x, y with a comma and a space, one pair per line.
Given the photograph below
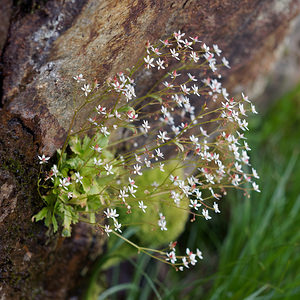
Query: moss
28, 6
14, 166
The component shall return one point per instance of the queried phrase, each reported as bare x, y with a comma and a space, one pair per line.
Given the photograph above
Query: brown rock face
33, 264
60, 39
99, 38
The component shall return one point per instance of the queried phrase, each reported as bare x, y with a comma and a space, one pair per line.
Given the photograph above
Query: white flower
97, 148
225, 62
194, 139
78, 177
101, 110
171, 257
178, 35
254, 172
217, 50
193, 78
205, 47
192, 256
215, 86
242, 110
203, 132
137, 158
245, 157
132, 182
162, 224
225, 94
161, 167
205, 214
160, 64
142, 206
159, 153
198, 194
174, 74
163, 136
86, 88
117, 226
195, 89
247, 146
199, 253
185, 263
54, 170
256, 187
108, 169
166, 43
123, 194
185, 89
64, 183
132, 190
194, 204
146, 125
194, 56
107, 229
149, 61
97, 162
104, 130
253, 109
156, 51
111, 213
168, 84
131, 115
174, 54
187, 44
137, 170
79, 78
43, 159
195, 39
245, 98
216, 208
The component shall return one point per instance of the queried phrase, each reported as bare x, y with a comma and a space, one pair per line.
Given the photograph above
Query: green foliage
259, 258
147, 232
176, 216
83, 197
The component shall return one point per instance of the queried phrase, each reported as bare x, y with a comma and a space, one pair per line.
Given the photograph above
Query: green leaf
117, 288
41, 214
86, 144
66, 232
92, 218
86, 184
180, 146
54, 222
74, 162
94, 202
125, 108
101, 140
95, 188
75, 144
88, 170
154, 96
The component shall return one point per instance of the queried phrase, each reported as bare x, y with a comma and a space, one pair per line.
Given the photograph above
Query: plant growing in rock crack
183, 146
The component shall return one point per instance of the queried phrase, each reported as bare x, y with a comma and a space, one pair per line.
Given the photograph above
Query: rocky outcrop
56, 40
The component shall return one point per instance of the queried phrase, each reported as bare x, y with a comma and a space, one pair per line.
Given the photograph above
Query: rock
5, 14
61, 39
99, 38
34, 265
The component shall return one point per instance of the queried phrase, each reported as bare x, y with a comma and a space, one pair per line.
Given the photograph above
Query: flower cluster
180, 146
